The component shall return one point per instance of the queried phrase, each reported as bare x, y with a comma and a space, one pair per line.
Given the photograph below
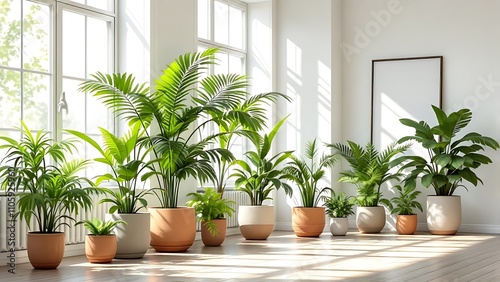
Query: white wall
303, 42
467, 34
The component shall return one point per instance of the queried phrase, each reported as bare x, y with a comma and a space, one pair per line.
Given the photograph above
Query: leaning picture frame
403, 88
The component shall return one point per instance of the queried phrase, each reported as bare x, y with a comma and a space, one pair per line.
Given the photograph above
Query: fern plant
100, 228
451, 160
338, 205
307, 173
406, 201
210, 205
370, 169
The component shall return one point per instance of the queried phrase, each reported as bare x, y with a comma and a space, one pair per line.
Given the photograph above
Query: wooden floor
284, 257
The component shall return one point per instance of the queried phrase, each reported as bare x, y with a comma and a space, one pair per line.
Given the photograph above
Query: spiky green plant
210, 205
100, 228
261, 174
338, 205
176, 154
451, 160
307, 173
126, 159
48, 186
369, 169
406, 201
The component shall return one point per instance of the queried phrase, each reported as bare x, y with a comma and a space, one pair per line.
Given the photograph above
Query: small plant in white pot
405, 202
338, 207
100, 243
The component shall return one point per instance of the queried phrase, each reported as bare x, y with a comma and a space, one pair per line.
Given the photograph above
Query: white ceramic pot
444, 214
256, 222
339, 226
370, 219
133, 238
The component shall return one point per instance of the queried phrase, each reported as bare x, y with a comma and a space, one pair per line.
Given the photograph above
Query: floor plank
285, 257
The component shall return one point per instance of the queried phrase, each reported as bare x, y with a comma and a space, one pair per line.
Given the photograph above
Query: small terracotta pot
172, 229
45, 250
100, 249
214, 240
308, 222
406, 224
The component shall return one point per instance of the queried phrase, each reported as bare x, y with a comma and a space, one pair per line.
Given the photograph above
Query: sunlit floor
285, 257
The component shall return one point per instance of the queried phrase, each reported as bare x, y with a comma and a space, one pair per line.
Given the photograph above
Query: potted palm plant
126, 160
100, 244
450, 162
338, 208
406, 220
308, 219
369, 170
211, 210
48, 188
176, 154
258, 178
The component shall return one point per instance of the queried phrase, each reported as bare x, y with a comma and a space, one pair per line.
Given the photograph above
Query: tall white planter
133, 238
444, 214
370, 219
339, 226
256, 222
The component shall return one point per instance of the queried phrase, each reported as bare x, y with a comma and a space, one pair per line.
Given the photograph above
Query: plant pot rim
178, 207
146, 212
406, 214
108, 235
443, 196
371, 206
256, 205
302, 207
45, 233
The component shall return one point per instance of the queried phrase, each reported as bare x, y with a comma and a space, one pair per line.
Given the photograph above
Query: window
222, 24
47, 48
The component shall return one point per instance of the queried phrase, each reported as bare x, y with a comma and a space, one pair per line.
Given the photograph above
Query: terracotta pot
132, 239
406, 224
45, 250
339, 226
308, 222
214, 240
172, 229
444, 214
100, 249
370, 220
256, 222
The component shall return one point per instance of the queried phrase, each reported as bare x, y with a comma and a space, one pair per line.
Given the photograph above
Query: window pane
222, 63
73, 45
10, 34
36, 36
97, 115
97, 45
221, 22
106, 5
10, 98
236, 27
36, 101
204, 19
75, 118
236, 65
